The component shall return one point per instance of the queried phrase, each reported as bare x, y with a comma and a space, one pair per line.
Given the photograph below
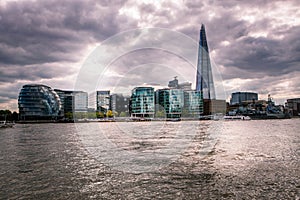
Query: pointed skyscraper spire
204, 79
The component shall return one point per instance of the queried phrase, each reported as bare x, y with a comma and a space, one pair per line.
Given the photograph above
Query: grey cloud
50, 31
147, 66
42, 40
253, 56
263, 55
8, 93
38, 37
11, 74
147, 8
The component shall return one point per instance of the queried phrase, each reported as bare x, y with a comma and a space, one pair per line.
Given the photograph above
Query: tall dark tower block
204, 79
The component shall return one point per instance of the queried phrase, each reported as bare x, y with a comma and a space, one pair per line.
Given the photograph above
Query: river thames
151, 160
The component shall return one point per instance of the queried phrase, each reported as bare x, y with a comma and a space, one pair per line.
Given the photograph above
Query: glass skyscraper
204, 78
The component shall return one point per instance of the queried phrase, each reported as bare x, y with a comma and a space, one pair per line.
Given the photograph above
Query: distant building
179, 100
73, 101
103, 99
80, 101
119, 104
174, 84
171, 100
67, 100
39, 102
92, 101
294, 106
142, 102
185, 86
239, 97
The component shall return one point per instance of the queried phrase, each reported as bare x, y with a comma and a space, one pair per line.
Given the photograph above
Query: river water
152, 160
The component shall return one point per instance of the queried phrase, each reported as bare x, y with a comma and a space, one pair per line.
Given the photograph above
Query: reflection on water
138, 147
245, 160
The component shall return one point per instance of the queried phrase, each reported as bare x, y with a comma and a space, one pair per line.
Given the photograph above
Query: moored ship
272, 112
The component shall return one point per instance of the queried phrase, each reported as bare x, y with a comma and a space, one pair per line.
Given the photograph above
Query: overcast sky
254, 44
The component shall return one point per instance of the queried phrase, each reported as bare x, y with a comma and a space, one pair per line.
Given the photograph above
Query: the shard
204, 79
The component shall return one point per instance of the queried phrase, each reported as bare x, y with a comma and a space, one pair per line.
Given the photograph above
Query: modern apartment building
103, 101
171, 100
142, 102
193, 104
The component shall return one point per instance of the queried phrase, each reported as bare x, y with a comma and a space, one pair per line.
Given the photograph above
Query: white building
80, 101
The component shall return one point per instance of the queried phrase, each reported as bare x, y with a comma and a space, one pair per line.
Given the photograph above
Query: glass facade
204, 78
119, 104
172, 101
67, 100
73, 101
80, 101
239, 97
193, 103
38, 102
142, 102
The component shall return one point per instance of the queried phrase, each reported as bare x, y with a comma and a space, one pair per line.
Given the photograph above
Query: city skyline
255, 45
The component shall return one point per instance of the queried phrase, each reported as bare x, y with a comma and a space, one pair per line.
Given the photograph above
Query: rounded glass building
38, 102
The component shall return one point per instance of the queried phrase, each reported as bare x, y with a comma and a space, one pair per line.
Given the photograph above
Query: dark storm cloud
45, 40
264, 55
50, 31
275, 54
11, 74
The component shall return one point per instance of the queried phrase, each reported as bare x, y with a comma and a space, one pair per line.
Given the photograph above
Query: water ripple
251, 160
